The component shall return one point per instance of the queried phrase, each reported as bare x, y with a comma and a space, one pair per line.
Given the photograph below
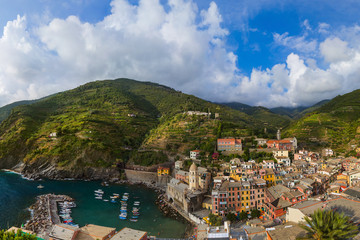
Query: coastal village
254, 199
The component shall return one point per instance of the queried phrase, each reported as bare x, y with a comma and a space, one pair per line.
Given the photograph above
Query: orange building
229, 144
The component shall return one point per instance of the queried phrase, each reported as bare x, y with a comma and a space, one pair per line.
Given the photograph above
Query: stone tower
193, 177
278, 134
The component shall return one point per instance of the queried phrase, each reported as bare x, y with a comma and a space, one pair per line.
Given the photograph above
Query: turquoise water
17, 194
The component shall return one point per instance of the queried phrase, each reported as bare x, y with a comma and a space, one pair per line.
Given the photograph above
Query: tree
231, 217
243, 215
329, 225
255, 213
215, 220
19, 235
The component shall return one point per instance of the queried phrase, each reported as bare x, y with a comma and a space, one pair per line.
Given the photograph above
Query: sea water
17, 194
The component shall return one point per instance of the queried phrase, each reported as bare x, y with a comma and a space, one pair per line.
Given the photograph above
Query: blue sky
270, 53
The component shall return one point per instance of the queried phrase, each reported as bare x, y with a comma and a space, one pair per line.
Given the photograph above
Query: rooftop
63, 231
129, 234
278, 190
91, 232
288, 231
349, 207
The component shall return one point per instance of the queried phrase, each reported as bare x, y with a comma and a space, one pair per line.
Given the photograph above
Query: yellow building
323, 166
342, 178
269, 177
234, 175
207, 204
245, 196
163, 171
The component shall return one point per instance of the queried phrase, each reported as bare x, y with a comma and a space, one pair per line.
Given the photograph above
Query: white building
178, 165
269, 164
194, 154
285, 161
260, 141
221, 232
281, 153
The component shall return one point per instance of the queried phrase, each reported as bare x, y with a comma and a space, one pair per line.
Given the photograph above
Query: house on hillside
195, 154
229, 145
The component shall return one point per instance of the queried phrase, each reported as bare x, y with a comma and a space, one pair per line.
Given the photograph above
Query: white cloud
181, 47
323, 28
306, 25
298, 43
335, 50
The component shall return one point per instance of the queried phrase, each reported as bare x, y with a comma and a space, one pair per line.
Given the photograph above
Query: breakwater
45, 213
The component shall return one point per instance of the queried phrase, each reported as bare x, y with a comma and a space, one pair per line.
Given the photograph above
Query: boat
40, 186
99, 191
98, 197
133, 220
106, 200
123, 216
113, 201
116, 194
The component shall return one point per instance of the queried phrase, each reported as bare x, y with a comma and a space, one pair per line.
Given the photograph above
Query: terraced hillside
102, 123
335, 124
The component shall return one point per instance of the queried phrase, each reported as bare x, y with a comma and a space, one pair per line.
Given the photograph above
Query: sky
266, 52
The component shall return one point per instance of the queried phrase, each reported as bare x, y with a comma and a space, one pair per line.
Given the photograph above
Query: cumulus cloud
335, 50
180, 46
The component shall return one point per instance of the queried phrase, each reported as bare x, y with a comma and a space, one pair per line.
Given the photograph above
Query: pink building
182, 176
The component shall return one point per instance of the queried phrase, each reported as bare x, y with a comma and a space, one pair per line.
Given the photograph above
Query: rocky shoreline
169, 211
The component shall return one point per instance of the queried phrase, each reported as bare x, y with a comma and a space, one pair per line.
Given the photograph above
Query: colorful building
269, 177
163, 171
280, 144
229, 144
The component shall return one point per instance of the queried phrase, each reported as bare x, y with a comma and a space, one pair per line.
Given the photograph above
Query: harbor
18, 194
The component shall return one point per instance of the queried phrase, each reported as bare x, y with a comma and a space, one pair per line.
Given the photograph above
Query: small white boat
98, 197
40, 186
99, 191
106, 200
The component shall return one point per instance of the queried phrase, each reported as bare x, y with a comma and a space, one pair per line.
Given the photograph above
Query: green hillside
335, 124
6, 110
103, 123
261, 113
297, 112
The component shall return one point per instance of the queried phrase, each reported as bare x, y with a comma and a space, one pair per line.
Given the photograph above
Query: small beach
19, 194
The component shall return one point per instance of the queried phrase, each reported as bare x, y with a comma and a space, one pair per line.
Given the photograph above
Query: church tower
193, 177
